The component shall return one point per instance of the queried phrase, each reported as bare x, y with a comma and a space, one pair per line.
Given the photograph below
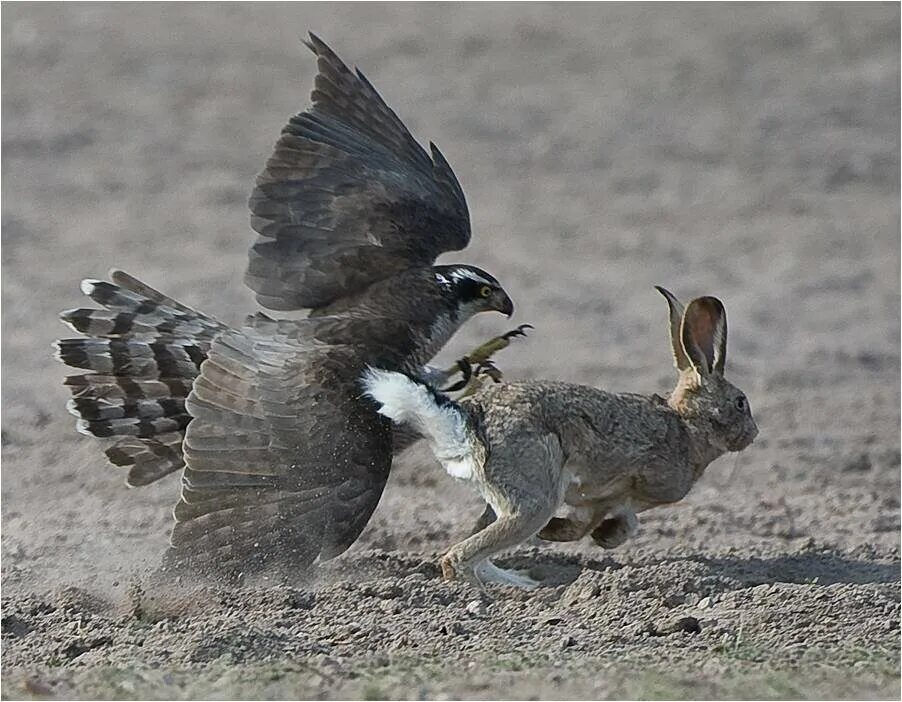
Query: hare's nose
753, 433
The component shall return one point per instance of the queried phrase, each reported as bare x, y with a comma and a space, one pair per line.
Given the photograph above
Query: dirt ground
747, 152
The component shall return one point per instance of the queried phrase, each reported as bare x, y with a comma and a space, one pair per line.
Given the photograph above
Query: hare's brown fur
565, 461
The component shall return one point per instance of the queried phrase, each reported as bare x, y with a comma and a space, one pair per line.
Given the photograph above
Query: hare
538, 449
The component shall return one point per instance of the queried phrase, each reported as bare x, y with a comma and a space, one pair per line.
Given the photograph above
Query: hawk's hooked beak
503, 304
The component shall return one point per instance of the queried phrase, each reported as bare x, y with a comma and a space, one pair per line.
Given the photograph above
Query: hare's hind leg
522, 483
488, 572
486, 518
471, 556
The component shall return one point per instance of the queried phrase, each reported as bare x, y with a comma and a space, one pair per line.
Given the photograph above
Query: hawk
283, 460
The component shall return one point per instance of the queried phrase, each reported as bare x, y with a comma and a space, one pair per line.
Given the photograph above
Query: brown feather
348, 197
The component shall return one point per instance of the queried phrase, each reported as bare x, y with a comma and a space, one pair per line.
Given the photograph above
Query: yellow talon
477, 364
483, 353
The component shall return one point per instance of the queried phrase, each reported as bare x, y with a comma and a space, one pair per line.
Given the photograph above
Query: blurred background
750, 153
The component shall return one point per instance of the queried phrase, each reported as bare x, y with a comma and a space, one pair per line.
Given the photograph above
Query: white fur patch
405, 401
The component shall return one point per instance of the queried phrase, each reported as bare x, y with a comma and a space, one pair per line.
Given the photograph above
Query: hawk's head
473, 289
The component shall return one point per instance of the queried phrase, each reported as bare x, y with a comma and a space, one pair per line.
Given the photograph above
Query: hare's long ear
704, 335
680, 360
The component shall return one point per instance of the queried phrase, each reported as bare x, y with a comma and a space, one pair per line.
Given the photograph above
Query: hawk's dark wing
348, 197
284, 460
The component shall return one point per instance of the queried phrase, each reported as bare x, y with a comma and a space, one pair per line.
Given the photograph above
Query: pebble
704, 603
568, 641
690, 625
691, 599
476, 607
580, 592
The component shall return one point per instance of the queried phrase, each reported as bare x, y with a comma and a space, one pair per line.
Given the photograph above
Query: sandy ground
751, 153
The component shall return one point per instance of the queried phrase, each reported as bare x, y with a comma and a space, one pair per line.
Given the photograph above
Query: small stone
690, 625
691, 599
476, 607
649, 628
704, 603
580, 592
568, 642
587, 593
552, 621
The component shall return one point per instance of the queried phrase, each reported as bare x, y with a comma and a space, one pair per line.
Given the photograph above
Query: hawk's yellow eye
485, 291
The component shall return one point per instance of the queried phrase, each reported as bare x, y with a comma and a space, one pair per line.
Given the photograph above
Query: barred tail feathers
133, 310
143, 351
443, 422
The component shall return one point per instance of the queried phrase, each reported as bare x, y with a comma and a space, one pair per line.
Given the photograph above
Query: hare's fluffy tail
440, 420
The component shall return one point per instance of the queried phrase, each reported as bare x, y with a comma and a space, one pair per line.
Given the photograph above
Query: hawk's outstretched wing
284, 460
348, 197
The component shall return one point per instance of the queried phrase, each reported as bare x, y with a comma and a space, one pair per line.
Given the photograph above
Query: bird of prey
283, 460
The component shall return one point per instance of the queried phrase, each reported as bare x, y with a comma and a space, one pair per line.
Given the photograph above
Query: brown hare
538, 449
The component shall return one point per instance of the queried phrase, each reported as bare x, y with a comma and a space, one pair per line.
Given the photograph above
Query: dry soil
748, 152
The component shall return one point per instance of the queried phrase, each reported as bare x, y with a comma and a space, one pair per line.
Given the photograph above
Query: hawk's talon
519, 331
490, 369
492, 346
478, 363
465, 368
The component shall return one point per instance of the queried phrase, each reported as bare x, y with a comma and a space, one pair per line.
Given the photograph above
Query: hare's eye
741, 403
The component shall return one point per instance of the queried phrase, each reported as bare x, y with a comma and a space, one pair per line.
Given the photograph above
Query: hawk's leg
479, 362
484, 352
436, 377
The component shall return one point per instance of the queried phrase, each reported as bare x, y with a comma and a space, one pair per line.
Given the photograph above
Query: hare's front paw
614, 531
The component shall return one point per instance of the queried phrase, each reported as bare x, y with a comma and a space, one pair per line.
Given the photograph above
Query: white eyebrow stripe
466, 274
